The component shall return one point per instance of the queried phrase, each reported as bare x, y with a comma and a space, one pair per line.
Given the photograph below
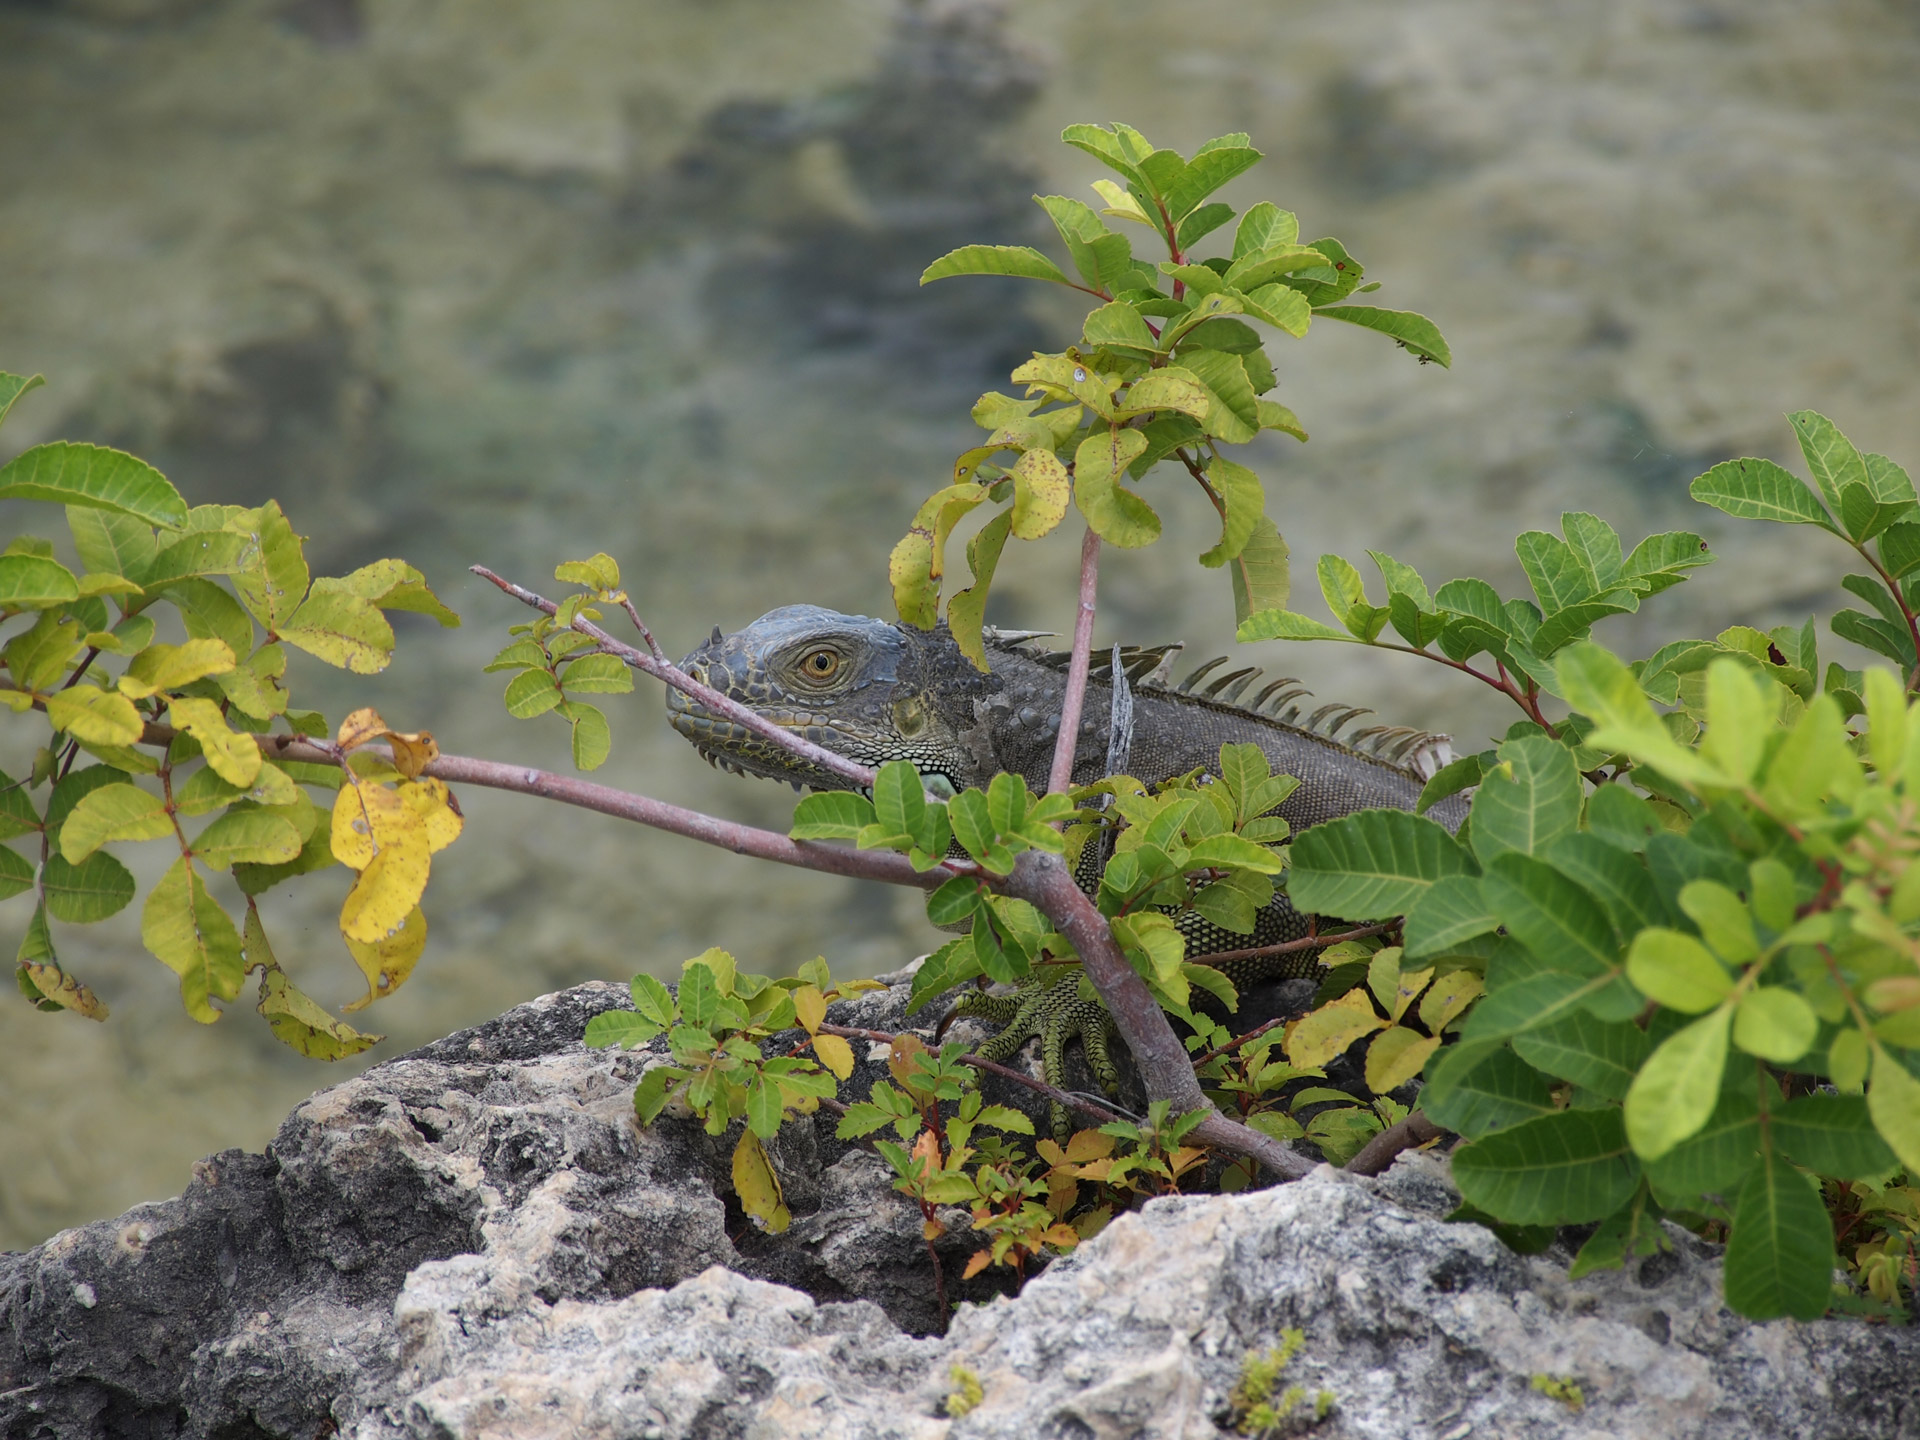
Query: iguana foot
1056, 1010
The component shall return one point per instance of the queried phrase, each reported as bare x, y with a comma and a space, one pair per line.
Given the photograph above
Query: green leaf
1115, 513
1201, 223
966, 611
199, 552
33, 582
597, 675
1371, 865
1754, 489
69, 473
275, 588
1677, 971
1707, 1168
12, 387
1022, 261
1101, 257
16, 874
191, 935
396, 585
1120, 326
1613, 876
1834, 1135
592, 737
1206, 173
113, 812
1286, 625
1264, 225
1259, 573
1678, 1086
1551, 915
343, 629
1252, 272
1452, 912
1244, 502
1538, 999
1527, 801
98, 717
1560, 1169
1413, 332
1774, 1024
1603, 1056
1831, 458
1492, 1091
1629, 1233
1893, 1100
1284, 309
254, 837
1780, 1254
209, 612
831, 815
1233, 416
1555, 572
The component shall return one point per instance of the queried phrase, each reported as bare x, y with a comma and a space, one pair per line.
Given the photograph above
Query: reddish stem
1061, 776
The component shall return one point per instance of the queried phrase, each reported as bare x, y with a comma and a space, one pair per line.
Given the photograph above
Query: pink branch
1061, 776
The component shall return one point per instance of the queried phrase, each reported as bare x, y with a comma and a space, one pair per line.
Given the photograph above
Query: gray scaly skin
876, 692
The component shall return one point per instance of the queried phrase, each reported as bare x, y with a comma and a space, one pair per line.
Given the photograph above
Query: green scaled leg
1056, 1011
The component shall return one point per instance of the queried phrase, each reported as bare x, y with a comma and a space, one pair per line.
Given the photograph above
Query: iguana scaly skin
875, 692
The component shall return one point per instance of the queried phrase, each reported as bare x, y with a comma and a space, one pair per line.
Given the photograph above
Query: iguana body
875, 692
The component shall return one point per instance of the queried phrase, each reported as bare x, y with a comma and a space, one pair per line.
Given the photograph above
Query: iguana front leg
1056, 1011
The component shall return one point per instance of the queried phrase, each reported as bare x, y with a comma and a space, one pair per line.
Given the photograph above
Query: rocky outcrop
476, 1240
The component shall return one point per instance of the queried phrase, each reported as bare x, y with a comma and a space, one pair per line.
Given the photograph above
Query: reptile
875, 691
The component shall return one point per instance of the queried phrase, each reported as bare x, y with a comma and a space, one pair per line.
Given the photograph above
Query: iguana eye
820, 665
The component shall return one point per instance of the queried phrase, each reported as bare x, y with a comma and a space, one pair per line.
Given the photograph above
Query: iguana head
860, 687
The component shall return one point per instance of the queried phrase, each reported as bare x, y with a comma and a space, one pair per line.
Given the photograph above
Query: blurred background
495, 281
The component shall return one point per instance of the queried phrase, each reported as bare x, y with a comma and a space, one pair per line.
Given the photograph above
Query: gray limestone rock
476, 1240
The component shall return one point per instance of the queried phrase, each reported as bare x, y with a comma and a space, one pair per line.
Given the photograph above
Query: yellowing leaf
168, 667
301, 1023
113, 812
1893, 1100
234, 758
254, 837
1328, 1031
193, 937
809, 1007
388, 891
1396, 1056
1450, 995
366, 817
358, 728
388, 961
438, 812
95, 717
65, 991
343, 629
835, 1054
757, 1186
412, 752
1040, 491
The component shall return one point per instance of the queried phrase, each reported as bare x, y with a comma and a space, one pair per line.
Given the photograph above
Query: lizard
875, 691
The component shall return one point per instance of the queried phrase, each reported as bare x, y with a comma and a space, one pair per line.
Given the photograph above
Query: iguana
876, 691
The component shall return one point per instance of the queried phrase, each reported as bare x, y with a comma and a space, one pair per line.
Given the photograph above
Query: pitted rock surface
476, 1240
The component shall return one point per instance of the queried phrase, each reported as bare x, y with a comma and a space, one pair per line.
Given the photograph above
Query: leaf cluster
553, 664
1686, 938
1167, 368
718, 1026
172, 635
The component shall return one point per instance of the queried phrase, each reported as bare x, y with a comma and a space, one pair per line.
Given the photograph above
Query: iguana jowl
876, 692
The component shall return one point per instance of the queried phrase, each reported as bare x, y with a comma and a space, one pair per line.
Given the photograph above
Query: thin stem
1236, 1042
1061, 776
1378, 1153
653, 646
1289, 947
1103, 1113
712, 700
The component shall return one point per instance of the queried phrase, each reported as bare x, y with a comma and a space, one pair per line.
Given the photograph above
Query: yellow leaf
1450, 995
366, 817
191, 935
1396, 1057
92, 716
906, 1047
1328, 1031
438, 812
977, 1262
1086, 1145
168, 667
835, 1054
1412, 982
384, 898
61, 988
757, 1186
234, 758
386, 962
412, 751
810, 1007
358, 728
